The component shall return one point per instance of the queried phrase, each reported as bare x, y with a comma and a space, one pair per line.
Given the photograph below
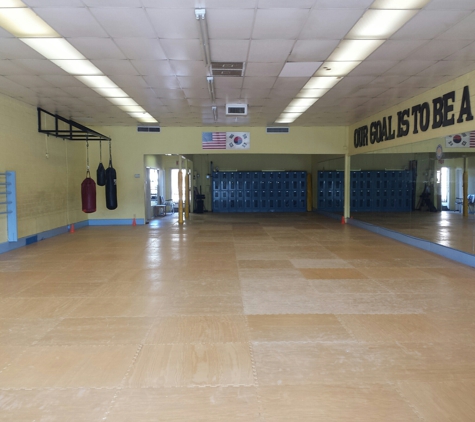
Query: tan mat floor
265, 318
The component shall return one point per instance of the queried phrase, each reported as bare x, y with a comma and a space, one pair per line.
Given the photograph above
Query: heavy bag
101, 175
111, 188
88, 194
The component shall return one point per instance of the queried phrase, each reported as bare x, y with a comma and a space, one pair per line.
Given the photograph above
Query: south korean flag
238, 140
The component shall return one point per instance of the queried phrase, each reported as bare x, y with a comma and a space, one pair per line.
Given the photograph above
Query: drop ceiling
151, 49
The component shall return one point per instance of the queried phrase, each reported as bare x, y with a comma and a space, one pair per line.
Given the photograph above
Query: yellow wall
130, 147
48, 188
456, 85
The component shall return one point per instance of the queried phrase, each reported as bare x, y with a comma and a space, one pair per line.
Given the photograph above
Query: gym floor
235, 318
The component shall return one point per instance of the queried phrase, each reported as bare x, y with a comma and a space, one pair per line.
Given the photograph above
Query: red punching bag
88, 194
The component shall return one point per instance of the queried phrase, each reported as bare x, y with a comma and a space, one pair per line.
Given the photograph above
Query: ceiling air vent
148, 129
236, 109
227, 68
277, 130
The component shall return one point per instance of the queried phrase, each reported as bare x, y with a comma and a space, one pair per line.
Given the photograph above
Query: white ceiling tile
395, 50
129, 81
5, 34
141, 48
373, 68
54, 3
182, 49
278, 4
233, 24
62, 81
171, 94
344, 4
330, 23
81, 92
174, 23
71, 22
229, 4
438, 49
228, 50
423, 82
223, 82
39, 67
265, 23
153, 67
30, 81
229, 94
162, 82
124, 22
290, 83
254, 100
410, 67
193, 82
452, 4
51, 92
13, 48
427, 24
170, 4
196, 93
113, 3
465, 54
388, 80
115, 67
188, 68
448, 68
263, 69
462, 30
312, 50
271, 51
258, 82
9, 67
299, 69
97, 48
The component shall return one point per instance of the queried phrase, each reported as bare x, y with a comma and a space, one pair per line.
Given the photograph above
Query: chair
168, 203
160, 209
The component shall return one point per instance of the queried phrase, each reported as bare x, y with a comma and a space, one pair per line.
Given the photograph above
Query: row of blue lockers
371, 191
260, 191
263, 180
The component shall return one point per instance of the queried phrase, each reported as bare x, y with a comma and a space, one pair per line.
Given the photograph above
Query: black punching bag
101, 171
111, 187
88, 194
101, 175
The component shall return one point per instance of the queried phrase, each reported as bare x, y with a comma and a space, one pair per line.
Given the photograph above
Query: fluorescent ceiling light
23, 22
143, 117
300, 109
354, 50
123, 101
399, 4
12, 3
111, 92
132, 109
312, 93
215, 113
336, 68
325, 82
77, 67
97, 82
200, 15
303, 102
54, 48
299, 69
212, 93
378, 24
288, 117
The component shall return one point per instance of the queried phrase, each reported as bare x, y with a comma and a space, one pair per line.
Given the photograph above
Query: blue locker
270, 180
255, 180
240, 201
231, 180
255, 204
223, 180
248, 180
247, 204
216, 181
239, 180
286, 180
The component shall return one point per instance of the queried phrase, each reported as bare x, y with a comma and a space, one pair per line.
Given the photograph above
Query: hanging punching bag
111, 187
101, 171
88, 194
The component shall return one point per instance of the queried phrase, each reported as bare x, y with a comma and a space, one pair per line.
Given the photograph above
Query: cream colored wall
48, 189
129, 148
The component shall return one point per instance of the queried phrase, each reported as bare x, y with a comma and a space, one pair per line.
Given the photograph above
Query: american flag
213, 140
472, 139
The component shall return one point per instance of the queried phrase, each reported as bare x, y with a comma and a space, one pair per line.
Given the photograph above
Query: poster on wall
225, 140
461, 140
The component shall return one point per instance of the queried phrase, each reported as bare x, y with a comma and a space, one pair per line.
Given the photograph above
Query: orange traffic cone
134, 223
71, 228
343, 221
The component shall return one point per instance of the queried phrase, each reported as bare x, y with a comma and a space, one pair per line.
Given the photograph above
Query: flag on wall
238, 140
472, 139
459, 140
213, 140
225, 140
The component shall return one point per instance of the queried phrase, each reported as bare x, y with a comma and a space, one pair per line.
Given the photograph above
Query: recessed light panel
399, 4
54, 48
354, 50
23, 22
378, 24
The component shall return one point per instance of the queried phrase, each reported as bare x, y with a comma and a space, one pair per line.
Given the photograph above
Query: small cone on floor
71, 228
134, 223
343, 221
